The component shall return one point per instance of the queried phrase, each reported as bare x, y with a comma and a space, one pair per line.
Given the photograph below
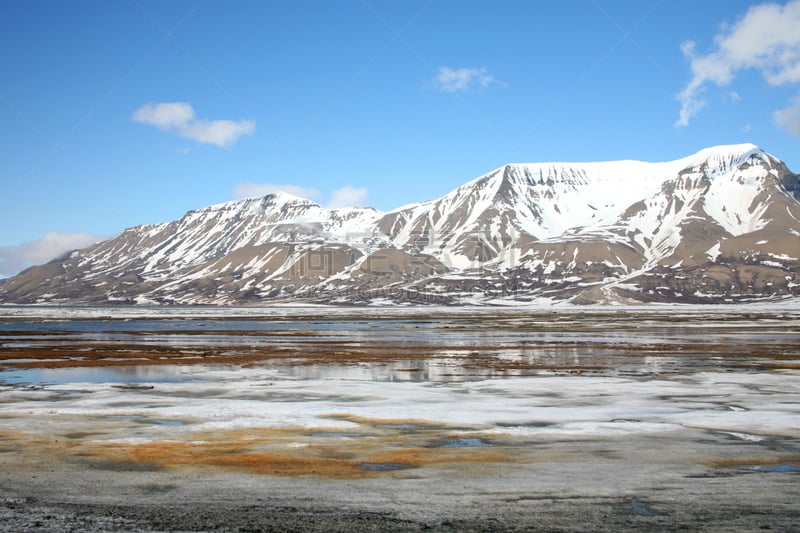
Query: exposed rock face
722, 225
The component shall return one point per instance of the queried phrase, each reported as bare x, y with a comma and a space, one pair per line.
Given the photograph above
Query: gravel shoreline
564, 514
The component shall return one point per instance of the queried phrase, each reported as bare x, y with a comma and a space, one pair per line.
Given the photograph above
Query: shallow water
109, 375
393, 346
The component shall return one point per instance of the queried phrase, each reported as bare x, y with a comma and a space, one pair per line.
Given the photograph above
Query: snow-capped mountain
722, 225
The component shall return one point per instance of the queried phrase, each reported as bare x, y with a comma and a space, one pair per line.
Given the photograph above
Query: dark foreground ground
562, 515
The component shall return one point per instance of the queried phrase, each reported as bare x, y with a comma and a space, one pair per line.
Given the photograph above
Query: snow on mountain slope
220, 229
546, 201
719, 224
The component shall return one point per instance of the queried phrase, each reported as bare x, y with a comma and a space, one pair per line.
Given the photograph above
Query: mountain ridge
720, 225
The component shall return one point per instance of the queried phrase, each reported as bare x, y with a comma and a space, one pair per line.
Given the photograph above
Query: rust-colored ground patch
377, 448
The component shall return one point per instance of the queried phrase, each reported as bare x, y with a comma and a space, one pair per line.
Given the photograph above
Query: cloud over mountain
53, 244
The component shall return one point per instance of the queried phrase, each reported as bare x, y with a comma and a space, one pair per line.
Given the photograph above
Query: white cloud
452, 80
219, 132
14, 259
788, 118
167, 116
348, 196
180, 117
248, 190
766, 38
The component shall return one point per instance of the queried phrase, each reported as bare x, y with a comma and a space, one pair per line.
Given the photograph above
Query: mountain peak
729, 155
282, 198
730, 149
273, 200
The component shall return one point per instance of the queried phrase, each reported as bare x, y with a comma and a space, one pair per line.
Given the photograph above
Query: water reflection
432, 349
433, 370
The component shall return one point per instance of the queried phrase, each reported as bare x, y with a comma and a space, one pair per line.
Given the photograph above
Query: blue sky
115, 113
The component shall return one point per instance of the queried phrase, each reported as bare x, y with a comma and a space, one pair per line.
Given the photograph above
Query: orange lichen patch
440, 456
286, 462
324, 452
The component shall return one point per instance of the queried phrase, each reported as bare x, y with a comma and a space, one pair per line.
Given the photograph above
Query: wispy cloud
180, 117
766, 38
455, 80
248, 190
14, 259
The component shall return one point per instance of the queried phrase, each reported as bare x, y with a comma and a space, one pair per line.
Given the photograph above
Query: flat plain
446, 419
